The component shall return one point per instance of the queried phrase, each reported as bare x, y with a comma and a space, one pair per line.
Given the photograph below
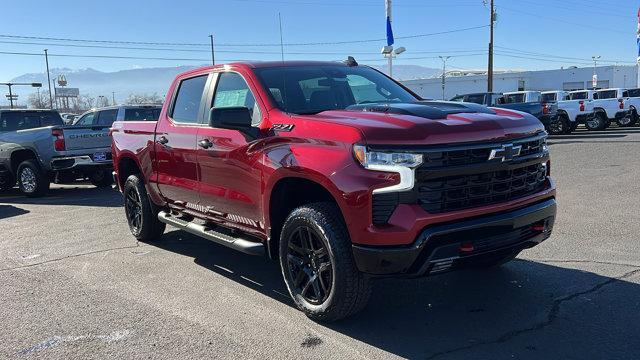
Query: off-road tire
629, 120
32, 180
600, 122
560, 126
149, 228
101, 178
350, 289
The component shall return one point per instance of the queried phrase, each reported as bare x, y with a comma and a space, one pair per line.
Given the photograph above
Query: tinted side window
609, 94
633, 93
22, 120
233, 91
86, 119
475, 98
188, 99
142, 114
107, 117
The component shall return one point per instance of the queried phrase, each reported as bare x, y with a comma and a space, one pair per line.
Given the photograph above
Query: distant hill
153, 80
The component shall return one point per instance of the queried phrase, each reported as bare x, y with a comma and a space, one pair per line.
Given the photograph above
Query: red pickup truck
337, 171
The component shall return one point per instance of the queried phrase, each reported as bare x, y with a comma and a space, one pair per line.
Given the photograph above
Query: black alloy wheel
133, 209
309, 265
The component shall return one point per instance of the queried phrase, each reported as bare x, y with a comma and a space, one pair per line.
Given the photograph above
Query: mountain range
122, 83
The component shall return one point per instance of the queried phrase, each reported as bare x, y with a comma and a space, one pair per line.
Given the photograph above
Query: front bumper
441, 248
78, 163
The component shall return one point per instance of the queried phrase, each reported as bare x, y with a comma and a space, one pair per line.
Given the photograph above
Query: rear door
229, 184
176, 142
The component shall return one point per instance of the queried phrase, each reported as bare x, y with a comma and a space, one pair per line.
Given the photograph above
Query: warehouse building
573, 78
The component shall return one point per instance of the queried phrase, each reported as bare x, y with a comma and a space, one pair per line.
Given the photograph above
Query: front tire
560, 126
32, 180
318, 266
141, 213
598, 122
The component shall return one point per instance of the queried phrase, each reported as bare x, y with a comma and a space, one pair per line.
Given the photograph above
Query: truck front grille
467, 191
463, 177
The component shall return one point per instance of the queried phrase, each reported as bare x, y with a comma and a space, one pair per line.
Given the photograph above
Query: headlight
401, 163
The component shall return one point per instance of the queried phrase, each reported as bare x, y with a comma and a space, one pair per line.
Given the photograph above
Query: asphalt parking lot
75, 284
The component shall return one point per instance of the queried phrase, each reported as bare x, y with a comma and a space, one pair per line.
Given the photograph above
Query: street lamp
11, 96
390, 53
444, 72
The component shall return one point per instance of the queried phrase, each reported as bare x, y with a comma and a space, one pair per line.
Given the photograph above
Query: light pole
113, 97
390, 53
595, 74
11, 96
46, 58
444, 72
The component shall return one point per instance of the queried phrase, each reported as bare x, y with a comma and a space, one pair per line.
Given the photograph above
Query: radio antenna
284, 69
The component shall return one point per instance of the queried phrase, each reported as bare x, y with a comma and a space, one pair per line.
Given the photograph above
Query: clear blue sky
527, 32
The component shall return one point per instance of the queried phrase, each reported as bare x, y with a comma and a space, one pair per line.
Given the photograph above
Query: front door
230, 182
176, 143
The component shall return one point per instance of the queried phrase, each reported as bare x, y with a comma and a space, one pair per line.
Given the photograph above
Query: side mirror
236, 118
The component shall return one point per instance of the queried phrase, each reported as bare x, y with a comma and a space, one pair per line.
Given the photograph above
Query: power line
240, 44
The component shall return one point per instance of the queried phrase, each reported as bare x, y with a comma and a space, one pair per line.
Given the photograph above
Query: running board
243, 245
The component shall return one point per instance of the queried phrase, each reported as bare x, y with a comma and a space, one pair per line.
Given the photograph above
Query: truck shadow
7, 211
525, 309
68, 195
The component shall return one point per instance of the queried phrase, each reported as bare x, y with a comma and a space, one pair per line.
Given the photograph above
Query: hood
433, 122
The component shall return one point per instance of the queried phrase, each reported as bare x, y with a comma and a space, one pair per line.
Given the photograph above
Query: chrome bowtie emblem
506, 152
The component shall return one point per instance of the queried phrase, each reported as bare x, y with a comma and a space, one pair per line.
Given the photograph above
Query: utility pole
15, 97
492, 19
113, 97
444, 72
46, 58
213, 57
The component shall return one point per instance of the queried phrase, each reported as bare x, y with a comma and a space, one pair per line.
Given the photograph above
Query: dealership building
573, 78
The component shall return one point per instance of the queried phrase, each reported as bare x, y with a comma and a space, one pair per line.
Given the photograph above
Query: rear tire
32, 180
598, 122
101, 178
141, 213
318, 266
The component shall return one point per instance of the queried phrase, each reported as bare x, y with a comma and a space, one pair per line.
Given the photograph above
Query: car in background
107, 115
525, 101
574, 108
609, 106
36, 148
632, 103
68, 118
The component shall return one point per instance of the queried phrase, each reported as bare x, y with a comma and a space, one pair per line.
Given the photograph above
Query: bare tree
137, 99
39, 102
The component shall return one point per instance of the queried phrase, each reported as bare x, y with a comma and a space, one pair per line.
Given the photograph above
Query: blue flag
389, 32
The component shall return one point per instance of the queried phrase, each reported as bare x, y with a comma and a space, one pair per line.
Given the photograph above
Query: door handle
205, 143
163, 140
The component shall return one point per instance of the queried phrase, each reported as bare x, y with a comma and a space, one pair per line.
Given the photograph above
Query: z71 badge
282, 127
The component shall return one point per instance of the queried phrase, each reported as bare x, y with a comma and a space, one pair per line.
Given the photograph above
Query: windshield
313, 89
142, 114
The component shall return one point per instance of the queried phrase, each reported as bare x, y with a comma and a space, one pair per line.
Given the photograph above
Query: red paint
237, 175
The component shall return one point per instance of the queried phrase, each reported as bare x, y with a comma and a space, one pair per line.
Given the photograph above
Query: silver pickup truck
37, 149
